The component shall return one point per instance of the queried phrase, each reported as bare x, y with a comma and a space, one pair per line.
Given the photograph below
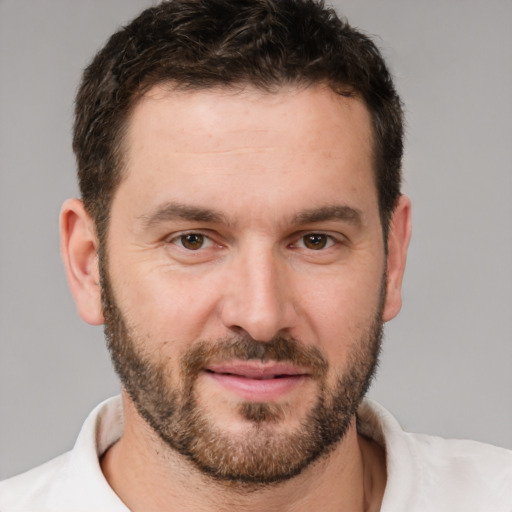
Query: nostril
240, 331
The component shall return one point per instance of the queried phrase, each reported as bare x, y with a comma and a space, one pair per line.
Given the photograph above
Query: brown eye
315, 241
192, 241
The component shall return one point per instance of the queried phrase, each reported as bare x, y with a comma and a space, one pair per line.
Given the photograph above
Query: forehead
317, 113
309, 142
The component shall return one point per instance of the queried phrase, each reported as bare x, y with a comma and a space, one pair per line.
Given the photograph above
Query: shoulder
432, 473
461, 474
24, 491
72, 482
468, 465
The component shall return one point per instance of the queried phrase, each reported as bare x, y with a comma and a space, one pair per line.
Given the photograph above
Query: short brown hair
198, 44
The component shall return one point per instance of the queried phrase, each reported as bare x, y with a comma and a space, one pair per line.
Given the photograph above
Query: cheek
167, 306
340, 310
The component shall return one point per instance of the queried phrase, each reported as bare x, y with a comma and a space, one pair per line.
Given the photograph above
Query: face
244, 276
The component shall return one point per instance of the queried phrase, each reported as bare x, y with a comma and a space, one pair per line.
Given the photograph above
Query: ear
398, 242
79, 250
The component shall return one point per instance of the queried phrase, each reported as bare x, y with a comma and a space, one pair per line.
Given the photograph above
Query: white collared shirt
425, 473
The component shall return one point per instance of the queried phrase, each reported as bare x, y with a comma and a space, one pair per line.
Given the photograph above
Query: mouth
257, 381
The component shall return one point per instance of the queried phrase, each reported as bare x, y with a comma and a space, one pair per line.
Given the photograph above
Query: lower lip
258, 390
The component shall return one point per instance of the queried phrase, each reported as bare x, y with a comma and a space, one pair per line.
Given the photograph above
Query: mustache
245, 348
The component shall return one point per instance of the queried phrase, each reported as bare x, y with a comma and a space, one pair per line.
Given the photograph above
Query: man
243, 237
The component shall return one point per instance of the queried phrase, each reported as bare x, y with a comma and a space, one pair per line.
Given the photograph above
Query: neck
149, 476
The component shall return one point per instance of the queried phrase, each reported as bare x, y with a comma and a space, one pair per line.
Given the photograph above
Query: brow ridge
171, 211
179, 211
332, 212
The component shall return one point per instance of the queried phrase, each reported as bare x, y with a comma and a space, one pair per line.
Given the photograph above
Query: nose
257, 298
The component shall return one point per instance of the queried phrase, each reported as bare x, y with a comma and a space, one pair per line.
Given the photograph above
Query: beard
263, 453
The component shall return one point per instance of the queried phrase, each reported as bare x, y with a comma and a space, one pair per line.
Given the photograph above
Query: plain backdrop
447, 362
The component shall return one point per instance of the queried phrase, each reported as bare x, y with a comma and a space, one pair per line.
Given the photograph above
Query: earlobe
398, 242
79, 250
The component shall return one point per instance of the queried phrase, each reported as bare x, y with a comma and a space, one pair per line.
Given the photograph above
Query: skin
263, 162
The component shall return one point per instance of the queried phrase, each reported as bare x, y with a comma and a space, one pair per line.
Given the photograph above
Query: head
197, 45
240, 169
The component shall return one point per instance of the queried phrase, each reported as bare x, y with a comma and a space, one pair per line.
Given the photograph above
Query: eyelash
329, 240
301, 243
178, 240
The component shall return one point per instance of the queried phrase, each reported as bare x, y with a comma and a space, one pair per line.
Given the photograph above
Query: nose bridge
256, 299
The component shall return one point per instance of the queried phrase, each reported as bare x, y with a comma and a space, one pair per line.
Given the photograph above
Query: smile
256, 381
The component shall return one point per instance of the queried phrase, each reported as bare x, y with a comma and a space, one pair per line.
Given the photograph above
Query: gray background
447, 363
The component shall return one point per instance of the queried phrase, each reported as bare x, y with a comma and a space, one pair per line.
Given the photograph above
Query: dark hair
198, 44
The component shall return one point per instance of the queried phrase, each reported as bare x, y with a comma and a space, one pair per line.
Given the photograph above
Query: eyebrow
172, 211
179, 211
326, 213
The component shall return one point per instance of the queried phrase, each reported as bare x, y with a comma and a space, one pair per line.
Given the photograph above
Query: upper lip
257, 369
